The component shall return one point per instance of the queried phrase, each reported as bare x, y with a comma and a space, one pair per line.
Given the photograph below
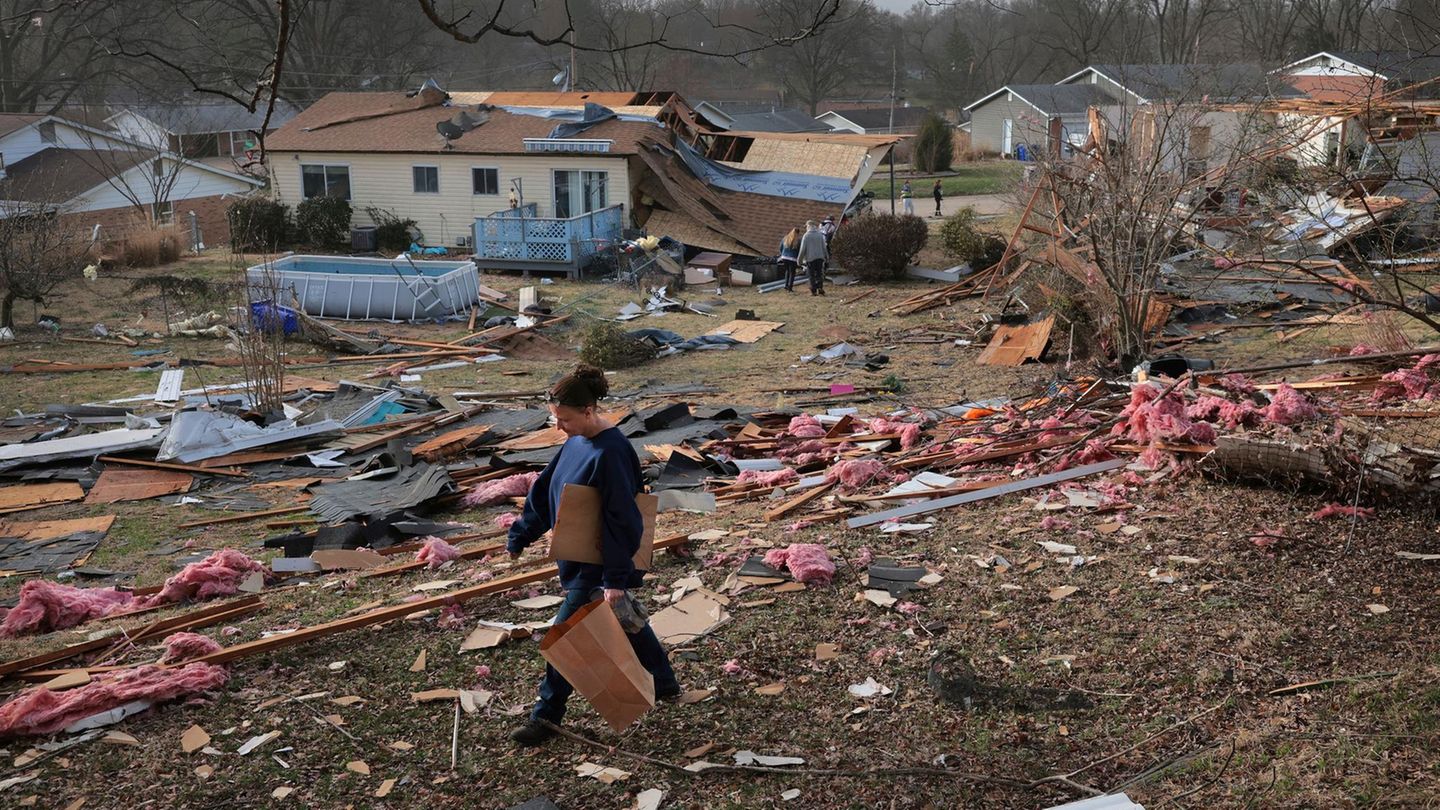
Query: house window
580, 192
324, 181
426, 179
163, 212
203, 145
47, 132
484, 181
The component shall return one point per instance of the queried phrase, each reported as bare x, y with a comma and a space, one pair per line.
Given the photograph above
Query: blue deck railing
561, 242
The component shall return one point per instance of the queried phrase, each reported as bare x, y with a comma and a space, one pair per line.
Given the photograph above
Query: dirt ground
1167, 655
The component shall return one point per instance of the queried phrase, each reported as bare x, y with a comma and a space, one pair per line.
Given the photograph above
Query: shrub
934, 148
963, 242
258, 223
323, 222
608, 346
149, 246
879, 246
392, 234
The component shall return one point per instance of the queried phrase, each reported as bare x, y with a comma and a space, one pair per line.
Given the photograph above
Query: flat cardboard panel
576, 535
747, 331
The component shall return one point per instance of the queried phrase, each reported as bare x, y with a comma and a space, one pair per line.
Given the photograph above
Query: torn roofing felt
408, 487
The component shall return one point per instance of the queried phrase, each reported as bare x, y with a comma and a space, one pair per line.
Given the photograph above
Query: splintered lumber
798, 501
160, 465
289, 510
392, 612
211, 614
984, 494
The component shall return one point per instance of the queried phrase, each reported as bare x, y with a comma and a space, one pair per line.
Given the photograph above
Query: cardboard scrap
473, 700
347, 559
493, 634
870, 688
690, 618
770, 689
119, 738
752, 758
281, 792
358, 766
435, 585
194, 739
746, 331
696, 695
827, 652
419, 665
649, 799
67, 680
1056, 594
538, 602
434, 694
576, 534
876, 597
607, 775
385, 788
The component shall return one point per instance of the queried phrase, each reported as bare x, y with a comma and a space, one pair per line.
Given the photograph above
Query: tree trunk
7, 311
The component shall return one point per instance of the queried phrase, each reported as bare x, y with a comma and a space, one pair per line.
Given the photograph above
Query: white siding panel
191, 184
383, 180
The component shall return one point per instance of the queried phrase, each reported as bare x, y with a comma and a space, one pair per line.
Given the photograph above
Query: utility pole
894, 83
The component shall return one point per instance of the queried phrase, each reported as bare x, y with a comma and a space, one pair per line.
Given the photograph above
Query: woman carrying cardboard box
598, 455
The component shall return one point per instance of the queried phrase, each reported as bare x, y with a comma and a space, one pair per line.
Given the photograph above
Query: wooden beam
795, 503
159, 465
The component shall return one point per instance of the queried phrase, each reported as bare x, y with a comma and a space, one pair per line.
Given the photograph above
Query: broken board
125, 484
1014, 345
746, 331
33, 496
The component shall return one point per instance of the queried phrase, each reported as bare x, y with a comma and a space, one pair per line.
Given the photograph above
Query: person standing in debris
598, 455
939, 195
828, 227
907, 199
813, 254
789, 257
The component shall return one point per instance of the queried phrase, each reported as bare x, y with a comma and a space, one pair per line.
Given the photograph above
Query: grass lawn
981, 177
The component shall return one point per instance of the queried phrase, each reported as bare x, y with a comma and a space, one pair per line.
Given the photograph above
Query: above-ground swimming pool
359, 288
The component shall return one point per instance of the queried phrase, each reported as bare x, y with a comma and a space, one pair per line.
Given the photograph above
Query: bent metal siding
385, 181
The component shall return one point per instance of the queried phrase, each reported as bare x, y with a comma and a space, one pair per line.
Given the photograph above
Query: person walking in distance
813, 254
790, 257
939, 195
598, 455
907, 199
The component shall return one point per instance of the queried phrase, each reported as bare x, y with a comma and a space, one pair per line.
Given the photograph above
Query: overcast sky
895, 5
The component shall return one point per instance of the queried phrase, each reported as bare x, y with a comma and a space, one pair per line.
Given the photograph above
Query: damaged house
541, 181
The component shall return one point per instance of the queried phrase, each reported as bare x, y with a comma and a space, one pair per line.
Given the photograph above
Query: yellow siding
383, 180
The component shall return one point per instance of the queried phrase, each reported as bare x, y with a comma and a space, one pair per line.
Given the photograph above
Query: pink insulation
436, 552
1288, 406
1410, 383
808, 562
182, 647
858, 472
1055, 523
1237, 384
41, 711
909, 431
1150, 417
768, 478
1362, 349
1231, 415
220, 574
506, 519
46, 606
805, 426
1333, 510
492, 492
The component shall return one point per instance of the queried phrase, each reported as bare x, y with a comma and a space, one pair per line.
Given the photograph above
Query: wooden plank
159, 465
746, 331
1013, 345
800, 500
392, 612
37, 531
243, 517
984, 494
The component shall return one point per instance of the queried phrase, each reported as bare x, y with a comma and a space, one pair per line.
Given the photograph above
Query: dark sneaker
667, 692
533, 733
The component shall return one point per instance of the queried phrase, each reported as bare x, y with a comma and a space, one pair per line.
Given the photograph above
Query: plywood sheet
32, 496
747, 331
1013, 345
35, 531
137, 484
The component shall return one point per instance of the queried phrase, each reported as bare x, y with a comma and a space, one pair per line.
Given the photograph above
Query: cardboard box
699, 276
576, 535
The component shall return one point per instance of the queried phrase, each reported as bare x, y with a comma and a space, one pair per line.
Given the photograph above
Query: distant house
873, 120
1043, 117
581, 166
1344, 84
200, 130
752, 116
93, 177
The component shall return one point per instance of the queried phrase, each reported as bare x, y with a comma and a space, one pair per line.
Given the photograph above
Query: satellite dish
448, 131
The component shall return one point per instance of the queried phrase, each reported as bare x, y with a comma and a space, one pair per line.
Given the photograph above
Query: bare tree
820, 65
39, 251
47, 54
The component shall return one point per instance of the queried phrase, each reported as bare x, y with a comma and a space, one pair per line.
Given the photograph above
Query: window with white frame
163, 212
426, 179
319, 180
580, 192
484, 181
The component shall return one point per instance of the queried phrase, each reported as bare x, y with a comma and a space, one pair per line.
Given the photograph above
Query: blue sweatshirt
608, 463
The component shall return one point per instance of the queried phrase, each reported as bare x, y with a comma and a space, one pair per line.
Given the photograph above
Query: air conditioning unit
462, 241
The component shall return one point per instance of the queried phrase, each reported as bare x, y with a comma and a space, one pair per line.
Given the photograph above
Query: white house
94, 177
